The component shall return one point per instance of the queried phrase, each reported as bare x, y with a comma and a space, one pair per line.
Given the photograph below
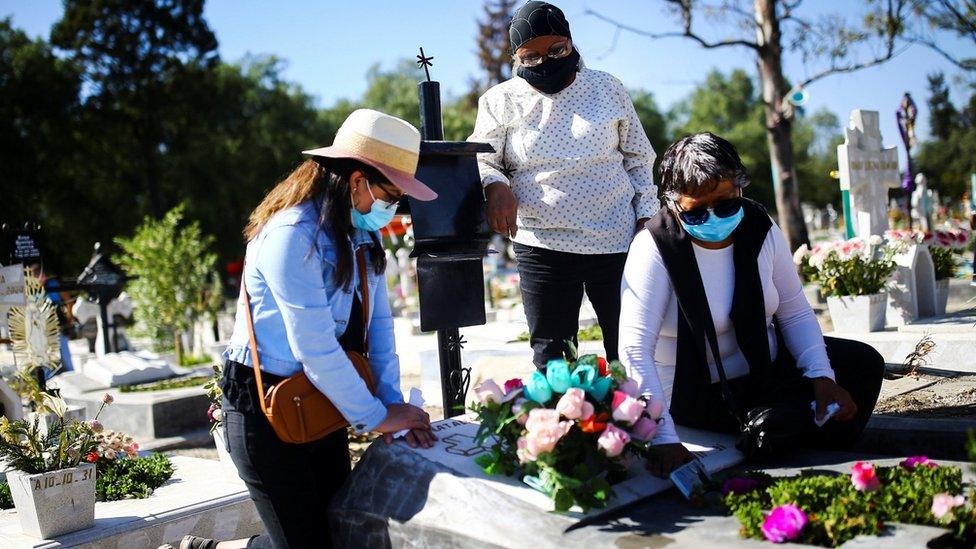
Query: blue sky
329, 45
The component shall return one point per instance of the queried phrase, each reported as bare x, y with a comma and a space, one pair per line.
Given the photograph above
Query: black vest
691, 377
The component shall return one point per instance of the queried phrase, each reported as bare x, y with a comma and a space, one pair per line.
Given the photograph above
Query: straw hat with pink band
385, 142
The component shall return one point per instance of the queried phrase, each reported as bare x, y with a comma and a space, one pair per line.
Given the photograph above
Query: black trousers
858, 368
291, 484
552, 285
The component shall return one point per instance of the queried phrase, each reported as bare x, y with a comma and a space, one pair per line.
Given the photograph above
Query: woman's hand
423, 438
403, 416
664, 458
825, 391
502, 209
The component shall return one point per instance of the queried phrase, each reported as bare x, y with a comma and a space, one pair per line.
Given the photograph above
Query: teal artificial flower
537, 388
557, 372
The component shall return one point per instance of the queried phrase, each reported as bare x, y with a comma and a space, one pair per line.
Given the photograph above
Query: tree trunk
178, 346
779, 129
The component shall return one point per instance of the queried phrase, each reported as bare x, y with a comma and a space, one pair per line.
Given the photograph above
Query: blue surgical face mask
380, 214
715, 228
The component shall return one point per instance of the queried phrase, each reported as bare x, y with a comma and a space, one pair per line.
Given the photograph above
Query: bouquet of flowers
942, 244
851, 267
566, 432
215, 413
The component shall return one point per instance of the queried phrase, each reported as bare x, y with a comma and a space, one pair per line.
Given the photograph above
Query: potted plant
216, 416
943, 244
52, 483
852, 275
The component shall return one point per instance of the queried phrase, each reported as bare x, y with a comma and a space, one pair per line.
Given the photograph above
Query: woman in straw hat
302, 280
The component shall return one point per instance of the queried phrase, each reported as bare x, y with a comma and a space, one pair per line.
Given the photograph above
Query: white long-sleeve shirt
649, 316
578, 162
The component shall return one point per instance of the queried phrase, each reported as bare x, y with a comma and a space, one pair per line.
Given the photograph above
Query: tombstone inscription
867, 170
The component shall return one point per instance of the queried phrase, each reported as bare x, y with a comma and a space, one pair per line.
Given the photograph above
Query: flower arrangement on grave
942, 244
567, 432
214, 413
830, 509
850, 267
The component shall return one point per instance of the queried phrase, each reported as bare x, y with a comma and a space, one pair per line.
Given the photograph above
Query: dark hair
324, 181
697, 163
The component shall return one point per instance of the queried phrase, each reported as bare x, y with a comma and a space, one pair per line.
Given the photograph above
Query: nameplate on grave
11, 292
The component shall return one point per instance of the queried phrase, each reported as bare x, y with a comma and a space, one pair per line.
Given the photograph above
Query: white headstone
911, 289
11, 293
867, 169
127, 368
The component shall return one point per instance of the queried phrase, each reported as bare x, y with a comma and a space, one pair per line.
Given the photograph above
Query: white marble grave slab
127, 368
457, 450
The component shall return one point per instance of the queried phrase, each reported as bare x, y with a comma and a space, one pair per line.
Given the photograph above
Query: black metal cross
425, 62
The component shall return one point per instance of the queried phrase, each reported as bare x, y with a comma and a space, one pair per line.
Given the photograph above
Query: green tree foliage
948, 160
942, 113
173, 264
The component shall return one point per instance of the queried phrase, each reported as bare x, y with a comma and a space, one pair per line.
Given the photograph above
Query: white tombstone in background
11, 294
911, 289
867, 169
85, 310
922, 203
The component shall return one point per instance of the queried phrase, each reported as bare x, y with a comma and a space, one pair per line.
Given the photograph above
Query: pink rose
943, 504
613, 441
655, 408
544, 439
541, 418
626, 408
630, 387
523, 451
570, 405
864, 478
489, 391
784, 523
915, 461
644, 429
512, 384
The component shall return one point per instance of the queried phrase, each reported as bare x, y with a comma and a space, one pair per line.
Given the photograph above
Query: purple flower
739, 485
914, 461
784, 523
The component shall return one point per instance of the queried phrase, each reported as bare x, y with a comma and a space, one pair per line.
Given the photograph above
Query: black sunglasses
699, 215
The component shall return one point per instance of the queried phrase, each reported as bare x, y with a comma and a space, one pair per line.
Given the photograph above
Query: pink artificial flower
520, 415
512, 384
95, 425
613, 441
739, 485
586, 410
784, 523
914, 461
522, 451
630, 387
109, 454
644, 429
570, 405
544, 439
489, 391
107, 398
864, 477
655, 408
541, 418
943, 504
134, 445
626, 408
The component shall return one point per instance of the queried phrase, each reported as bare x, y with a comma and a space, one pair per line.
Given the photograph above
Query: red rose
92, 457
602, 363
595, 423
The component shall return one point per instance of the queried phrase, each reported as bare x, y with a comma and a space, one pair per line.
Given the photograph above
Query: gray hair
697, 163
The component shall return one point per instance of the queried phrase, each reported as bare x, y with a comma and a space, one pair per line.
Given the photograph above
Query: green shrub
6, 500
131, 478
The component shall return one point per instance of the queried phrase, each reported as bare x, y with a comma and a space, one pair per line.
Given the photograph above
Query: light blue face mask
715, 228
380, 214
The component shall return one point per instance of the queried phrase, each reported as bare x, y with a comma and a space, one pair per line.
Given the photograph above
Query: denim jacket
300, 312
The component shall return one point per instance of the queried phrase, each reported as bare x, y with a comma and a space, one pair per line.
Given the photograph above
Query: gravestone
127, 368
11, 293
441, 497
911, 288
867, 170
87, 310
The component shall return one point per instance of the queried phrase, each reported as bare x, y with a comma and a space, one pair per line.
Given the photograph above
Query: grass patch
193, 360
166, 384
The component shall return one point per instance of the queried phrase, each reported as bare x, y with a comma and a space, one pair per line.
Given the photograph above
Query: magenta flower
914, 461
512, 384
784, 523
864, 477
739, 485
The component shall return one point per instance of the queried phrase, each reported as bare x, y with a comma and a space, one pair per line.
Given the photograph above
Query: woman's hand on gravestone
825, 391
401, 417
664, 458
423, 438
502, 209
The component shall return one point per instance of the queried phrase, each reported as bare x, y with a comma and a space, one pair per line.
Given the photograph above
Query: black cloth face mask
552, 76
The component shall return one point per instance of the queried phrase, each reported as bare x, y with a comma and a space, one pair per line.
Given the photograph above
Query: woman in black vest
713, 275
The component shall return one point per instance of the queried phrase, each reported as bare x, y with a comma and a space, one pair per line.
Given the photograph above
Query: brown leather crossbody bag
297, 410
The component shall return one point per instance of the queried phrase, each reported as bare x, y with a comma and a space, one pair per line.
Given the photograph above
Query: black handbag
764, 431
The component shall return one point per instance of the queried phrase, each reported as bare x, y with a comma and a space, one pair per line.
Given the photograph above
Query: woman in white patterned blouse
569, 182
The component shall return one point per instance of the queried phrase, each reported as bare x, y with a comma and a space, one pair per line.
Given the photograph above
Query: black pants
552, 285
291, 484
858, 368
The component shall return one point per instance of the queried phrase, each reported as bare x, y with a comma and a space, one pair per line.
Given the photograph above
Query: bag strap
253, 344
712, 339
364, 296
252, 340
